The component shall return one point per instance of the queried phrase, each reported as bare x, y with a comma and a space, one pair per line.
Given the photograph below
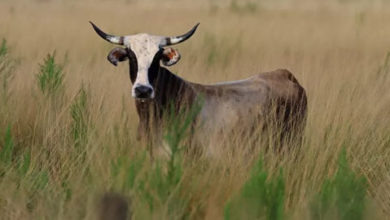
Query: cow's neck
170, 91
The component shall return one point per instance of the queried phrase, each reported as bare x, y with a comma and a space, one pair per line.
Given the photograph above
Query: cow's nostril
143, 92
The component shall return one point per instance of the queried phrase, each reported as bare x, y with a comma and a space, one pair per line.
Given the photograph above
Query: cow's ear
116, 55
170, 56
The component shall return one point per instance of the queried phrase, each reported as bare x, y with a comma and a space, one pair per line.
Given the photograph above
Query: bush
80, 118
258, 198
50, 76
7, 150
342, 196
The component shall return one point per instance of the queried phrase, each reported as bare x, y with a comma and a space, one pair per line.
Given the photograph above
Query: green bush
125, 170
50, 76
162, 186
7, 150
342, 196
80, 118
259, 198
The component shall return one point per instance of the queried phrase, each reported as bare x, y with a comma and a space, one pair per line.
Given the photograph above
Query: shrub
80, 118
342, 196
6, 152
161, 188
258, 198
50, 76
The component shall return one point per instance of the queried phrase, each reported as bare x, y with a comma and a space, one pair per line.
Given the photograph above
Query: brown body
246, 105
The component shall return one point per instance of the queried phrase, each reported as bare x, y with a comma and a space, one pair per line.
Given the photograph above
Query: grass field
63, 145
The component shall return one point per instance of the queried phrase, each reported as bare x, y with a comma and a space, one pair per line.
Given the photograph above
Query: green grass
7, 150
259, 198
50, 77
80, 118
343, 196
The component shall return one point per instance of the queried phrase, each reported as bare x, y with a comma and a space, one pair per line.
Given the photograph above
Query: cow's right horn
110, 38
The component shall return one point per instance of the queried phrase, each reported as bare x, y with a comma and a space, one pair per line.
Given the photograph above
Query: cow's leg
143, 132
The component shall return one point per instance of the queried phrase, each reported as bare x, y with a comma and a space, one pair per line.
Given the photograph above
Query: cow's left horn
178, 39
110, 38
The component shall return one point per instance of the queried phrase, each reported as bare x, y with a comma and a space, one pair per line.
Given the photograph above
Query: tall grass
259, 198
262, 197
7, 150
343, 196
7, 68
50, 76
7, 65
80, 118
72, 138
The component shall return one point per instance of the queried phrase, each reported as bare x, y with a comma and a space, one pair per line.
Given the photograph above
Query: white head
144, 52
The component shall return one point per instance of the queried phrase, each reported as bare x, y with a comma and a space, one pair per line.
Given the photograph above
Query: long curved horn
110, 38
178, 39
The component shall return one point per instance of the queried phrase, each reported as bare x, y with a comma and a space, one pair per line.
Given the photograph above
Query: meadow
68, 122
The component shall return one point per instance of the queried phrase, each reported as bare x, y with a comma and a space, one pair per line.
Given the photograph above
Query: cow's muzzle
143, 92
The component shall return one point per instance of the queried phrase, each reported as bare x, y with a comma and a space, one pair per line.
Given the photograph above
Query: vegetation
259, 198
343, 196
68, 132
50, 75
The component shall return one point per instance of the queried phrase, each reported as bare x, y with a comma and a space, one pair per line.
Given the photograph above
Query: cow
265, 98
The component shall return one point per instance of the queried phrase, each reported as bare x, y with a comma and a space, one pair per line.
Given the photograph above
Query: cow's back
250, 103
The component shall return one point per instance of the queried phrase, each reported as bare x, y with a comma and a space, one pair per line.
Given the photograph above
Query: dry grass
334, 49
